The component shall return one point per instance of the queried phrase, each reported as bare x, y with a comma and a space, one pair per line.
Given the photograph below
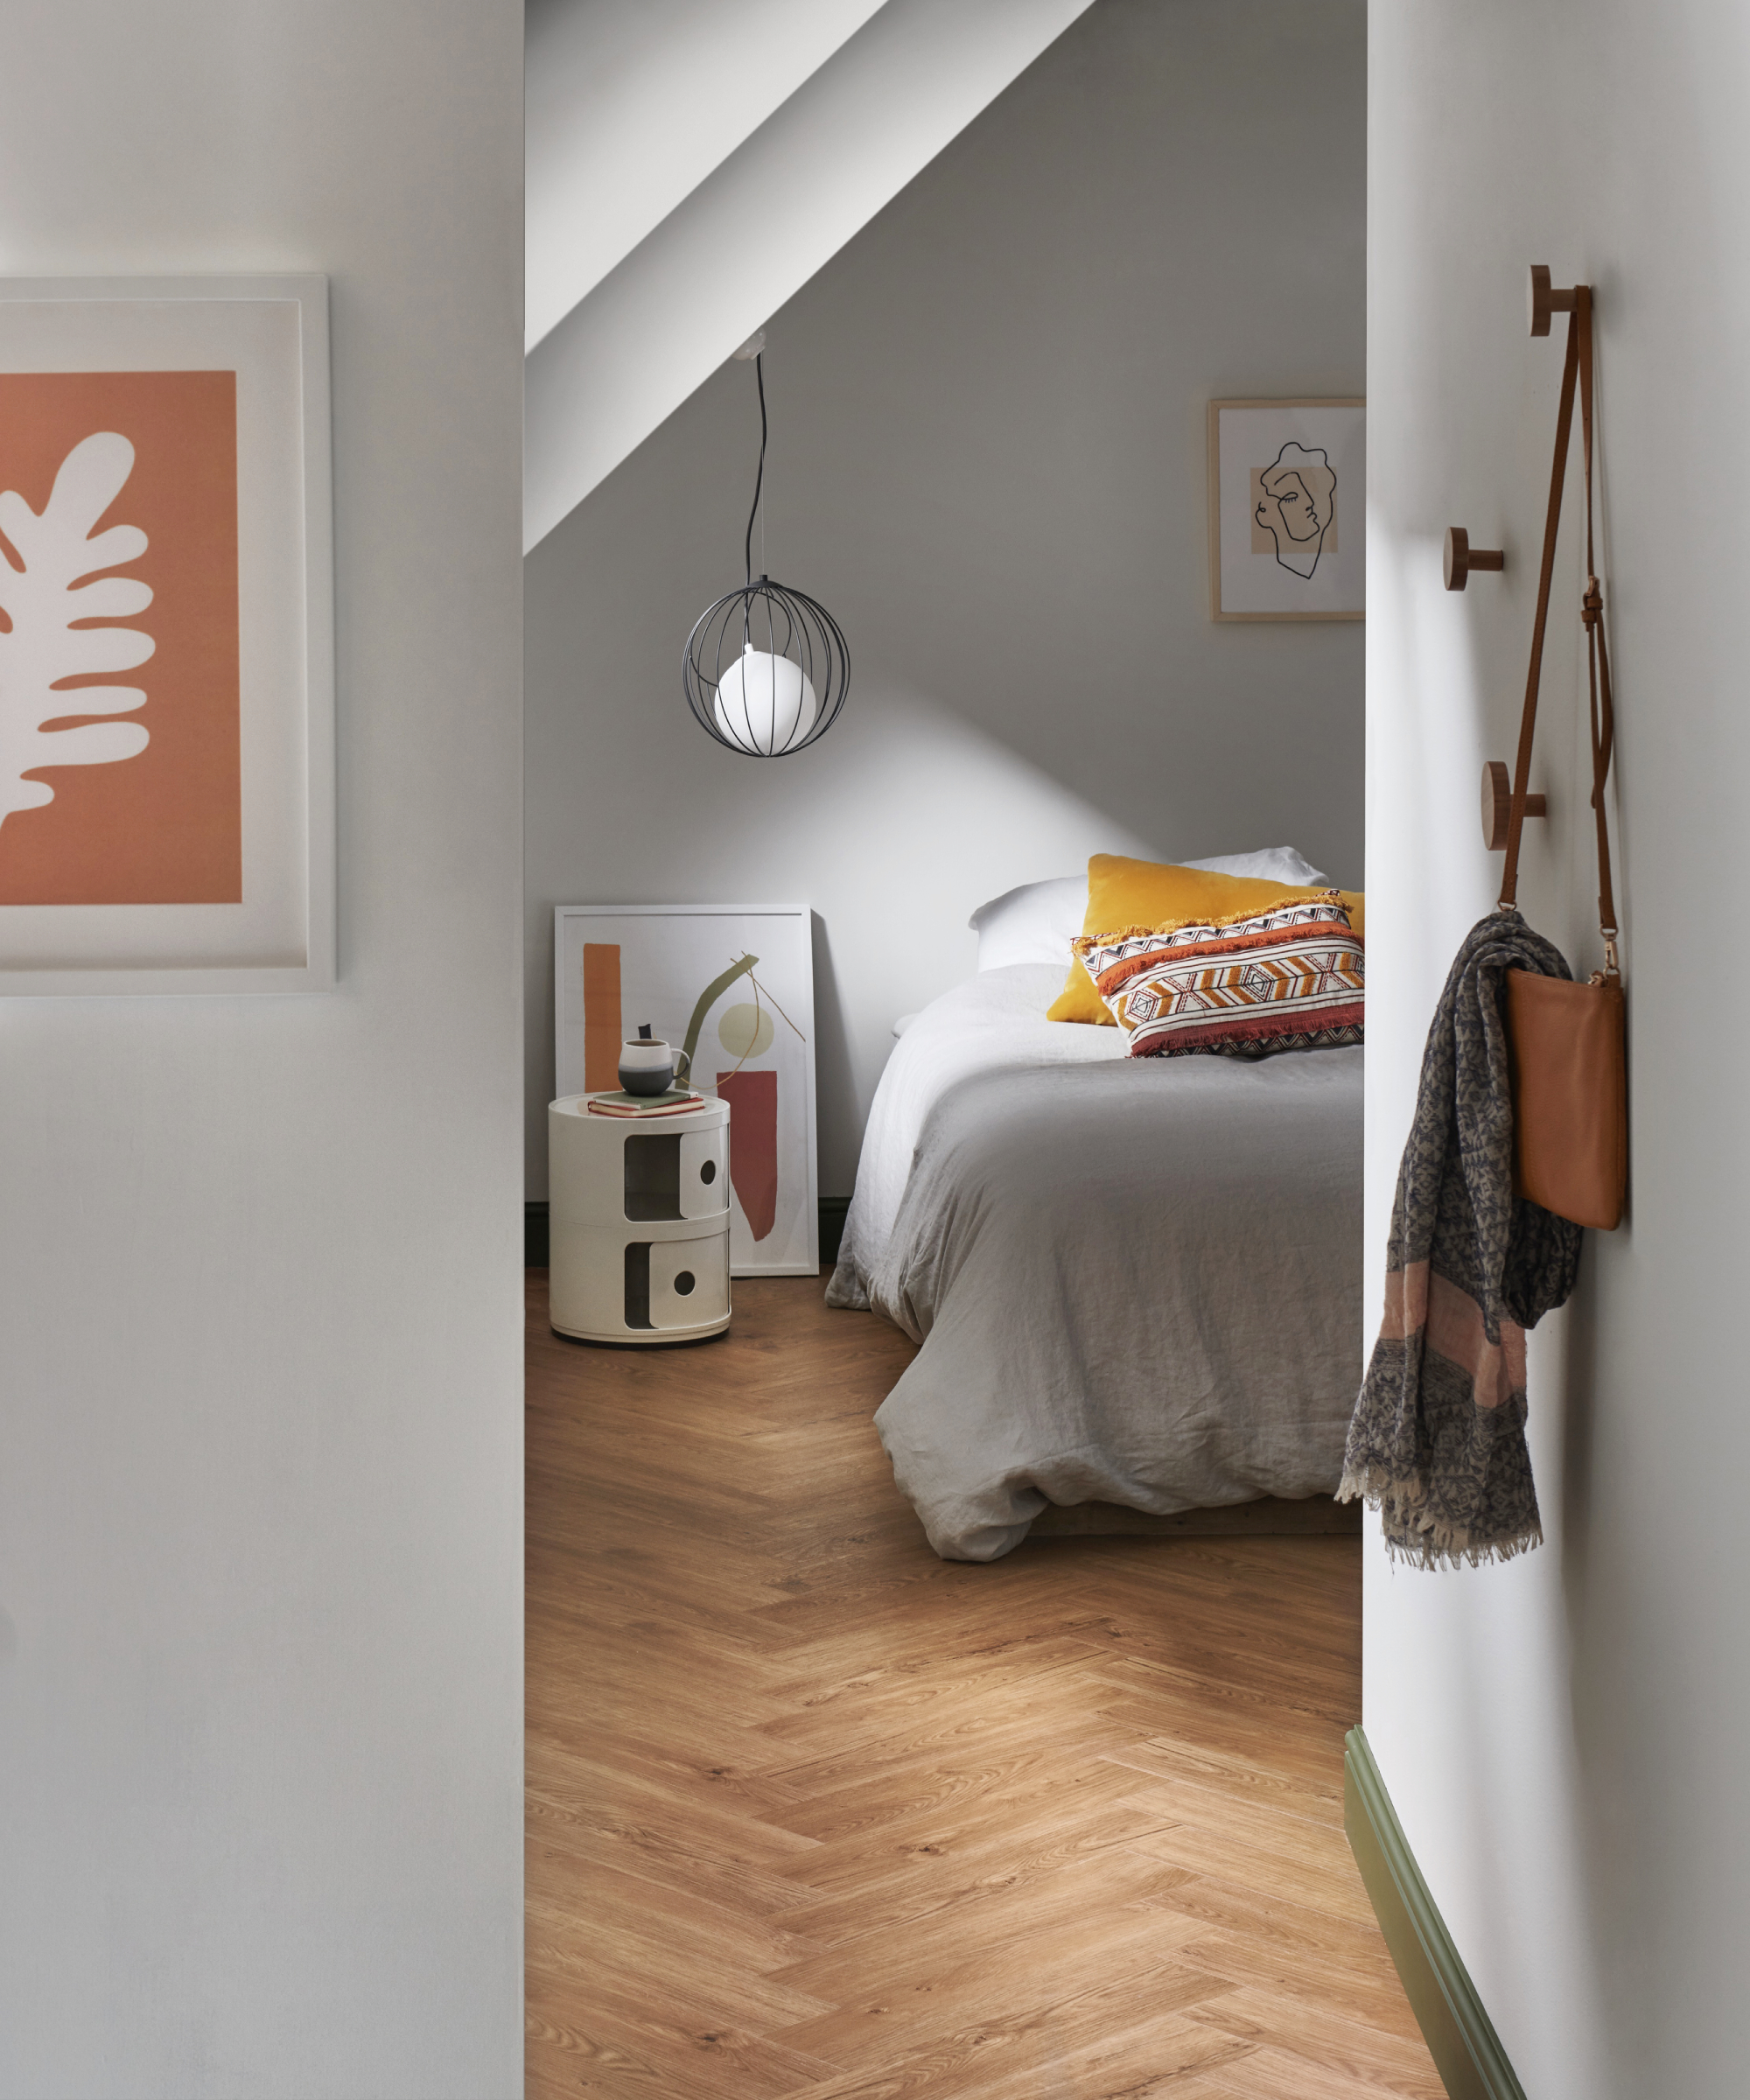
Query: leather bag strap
1601, 712
1577, 372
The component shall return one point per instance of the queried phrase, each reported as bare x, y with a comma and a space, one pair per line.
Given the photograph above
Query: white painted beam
753, 233
630, 105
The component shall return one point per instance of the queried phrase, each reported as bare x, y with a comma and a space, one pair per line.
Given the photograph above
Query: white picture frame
678, 967
266, 921
1288, 509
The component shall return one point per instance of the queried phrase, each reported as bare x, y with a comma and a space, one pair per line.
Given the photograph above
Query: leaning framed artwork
733, 984
166, 670
1288, 509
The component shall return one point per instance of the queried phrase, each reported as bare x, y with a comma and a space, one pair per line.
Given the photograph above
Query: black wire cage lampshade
766, 668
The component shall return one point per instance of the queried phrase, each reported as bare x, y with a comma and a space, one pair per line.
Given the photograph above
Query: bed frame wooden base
1319, 1515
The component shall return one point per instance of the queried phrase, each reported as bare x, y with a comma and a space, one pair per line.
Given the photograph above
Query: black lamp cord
759, 479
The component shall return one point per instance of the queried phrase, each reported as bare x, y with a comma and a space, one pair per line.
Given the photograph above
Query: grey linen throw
1438, 1441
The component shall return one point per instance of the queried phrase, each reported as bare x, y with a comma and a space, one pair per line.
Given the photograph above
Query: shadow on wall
893, 828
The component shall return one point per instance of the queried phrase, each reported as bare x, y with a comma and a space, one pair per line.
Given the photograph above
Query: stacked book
678, 1101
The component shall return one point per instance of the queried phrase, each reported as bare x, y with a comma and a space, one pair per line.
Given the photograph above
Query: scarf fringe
1417, 1540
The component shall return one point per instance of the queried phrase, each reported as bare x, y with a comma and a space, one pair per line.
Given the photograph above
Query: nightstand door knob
705, 1173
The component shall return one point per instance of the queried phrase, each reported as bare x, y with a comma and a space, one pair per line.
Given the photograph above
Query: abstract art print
166, 658
733, 986
1287, 510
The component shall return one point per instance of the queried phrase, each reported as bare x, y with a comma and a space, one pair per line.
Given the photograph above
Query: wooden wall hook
1543, 299
1462, 557
1497, 805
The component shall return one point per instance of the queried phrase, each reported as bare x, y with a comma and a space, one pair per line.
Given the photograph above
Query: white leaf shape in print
58, 585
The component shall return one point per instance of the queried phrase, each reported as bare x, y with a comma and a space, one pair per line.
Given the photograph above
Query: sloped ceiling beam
758, 228
629, 108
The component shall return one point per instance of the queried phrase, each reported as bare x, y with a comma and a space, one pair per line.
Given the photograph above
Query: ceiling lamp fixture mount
766, 669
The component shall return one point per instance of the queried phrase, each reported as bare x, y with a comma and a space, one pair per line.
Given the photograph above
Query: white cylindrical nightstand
638, 1218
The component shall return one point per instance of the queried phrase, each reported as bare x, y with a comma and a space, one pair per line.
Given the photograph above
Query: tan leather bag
1570, 1099
1567, 1043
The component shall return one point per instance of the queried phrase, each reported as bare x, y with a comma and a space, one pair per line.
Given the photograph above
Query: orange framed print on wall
166, 653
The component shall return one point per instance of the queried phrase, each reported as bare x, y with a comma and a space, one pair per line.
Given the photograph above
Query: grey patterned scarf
1438, 1443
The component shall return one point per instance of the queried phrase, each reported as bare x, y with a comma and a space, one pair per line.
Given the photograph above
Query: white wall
1564, 1736
260, 1492
988, 460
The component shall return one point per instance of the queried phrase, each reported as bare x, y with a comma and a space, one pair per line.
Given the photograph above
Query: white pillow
1037, 922
1274, 864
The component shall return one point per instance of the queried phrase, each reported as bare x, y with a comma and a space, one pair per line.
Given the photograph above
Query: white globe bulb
764, 704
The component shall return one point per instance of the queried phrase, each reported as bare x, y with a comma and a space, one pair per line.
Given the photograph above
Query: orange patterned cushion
1285, 977
1122, 892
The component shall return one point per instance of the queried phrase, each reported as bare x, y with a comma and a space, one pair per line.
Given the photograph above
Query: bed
1136, 1282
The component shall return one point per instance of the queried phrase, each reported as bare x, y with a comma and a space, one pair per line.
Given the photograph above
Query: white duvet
1134, 1280
992, 1023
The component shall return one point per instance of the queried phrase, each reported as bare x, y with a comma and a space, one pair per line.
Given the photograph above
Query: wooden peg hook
1462, 557
1497, 805
1544, 299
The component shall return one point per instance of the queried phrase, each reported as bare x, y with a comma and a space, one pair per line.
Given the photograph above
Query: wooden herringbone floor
816, 1815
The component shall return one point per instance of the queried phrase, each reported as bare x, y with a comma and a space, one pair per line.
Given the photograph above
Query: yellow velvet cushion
1124, 893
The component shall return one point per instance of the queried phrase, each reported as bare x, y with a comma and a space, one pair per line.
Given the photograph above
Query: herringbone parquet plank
814, 1815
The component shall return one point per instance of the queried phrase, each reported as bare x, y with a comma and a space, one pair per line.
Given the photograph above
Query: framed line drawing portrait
1288, 509
733, 984
166, 665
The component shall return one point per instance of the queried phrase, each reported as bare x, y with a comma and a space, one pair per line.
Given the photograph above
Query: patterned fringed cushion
1287, 977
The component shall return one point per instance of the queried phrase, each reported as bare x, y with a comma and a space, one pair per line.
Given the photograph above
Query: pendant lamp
766, 669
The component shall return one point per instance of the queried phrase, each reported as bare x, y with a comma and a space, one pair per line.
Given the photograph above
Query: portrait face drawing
1296, 506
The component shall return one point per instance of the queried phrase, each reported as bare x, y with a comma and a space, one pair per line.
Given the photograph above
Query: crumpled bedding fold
1134, 1282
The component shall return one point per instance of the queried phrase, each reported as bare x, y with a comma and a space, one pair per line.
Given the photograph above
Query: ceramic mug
650, 1066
